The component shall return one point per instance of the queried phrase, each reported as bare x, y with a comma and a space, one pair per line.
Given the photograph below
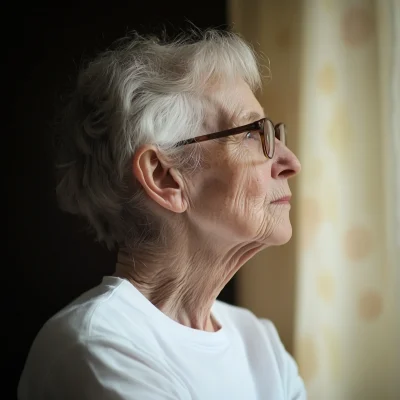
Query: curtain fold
335, 82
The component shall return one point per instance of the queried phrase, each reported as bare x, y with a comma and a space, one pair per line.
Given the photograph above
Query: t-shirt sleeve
110, 369
293, 384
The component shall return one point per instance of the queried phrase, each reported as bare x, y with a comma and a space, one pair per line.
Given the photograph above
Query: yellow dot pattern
370, 305
358, 243
357, 26
326, 286
327, 79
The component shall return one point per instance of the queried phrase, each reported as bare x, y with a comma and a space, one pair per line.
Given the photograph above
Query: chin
281, 235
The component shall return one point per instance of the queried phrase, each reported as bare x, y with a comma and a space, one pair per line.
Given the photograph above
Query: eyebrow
250, 116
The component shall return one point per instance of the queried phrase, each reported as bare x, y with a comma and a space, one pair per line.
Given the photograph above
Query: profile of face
237, 195
235, 198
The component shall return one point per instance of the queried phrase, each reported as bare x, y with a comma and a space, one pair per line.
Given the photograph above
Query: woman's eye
252, 135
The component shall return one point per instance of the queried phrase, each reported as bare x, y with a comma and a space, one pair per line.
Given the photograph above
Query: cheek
258, 182
248, 194
254, 172
230, 186
208, 194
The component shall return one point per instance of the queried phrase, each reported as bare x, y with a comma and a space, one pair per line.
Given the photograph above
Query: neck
184, 284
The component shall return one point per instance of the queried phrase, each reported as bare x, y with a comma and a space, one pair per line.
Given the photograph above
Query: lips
282, 200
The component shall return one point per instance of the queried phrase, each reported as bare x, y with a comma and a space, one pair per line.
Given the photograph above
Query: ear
161, 183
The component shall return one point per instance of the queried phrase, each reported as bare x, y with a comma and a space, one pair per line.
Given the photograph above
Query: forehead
232, 105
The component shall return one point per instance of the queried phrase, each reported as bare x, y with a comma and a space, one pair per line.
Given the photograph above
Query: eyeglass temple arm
254, 126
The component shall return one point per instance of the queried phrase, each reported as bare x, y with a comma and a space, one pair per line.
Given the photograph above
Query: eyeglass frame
253, 126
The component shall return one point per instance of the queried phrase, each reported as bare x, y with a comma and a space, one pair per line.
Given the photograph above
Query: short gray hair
143, 91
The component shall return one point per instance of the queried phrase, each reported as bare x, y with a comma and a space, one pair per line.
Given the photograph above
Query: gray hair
144, 91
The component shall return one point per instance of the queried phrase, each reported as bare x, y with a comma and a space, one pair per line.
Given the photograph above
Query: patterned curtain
336, 82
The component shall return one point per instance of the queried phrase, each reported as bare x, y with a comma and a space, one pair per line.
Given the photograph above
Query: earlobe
162, 183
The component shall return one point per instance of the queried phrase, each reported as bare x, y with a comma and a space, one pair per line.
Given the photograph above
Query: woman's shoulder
102, 318
102, 310
261, 340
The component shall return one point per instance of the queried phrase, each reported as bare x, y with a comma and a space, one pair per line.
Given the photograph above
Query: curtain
336, 83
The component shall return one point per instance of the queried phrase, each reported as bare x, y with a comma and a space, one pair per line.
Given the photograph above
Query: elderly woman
170, 157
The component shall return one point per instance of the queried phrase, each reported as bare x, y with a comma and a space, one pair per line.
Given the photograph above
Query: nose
284, 163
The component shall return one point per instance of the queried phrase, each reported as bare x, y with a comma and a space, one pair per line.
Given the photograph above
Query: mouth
282, 200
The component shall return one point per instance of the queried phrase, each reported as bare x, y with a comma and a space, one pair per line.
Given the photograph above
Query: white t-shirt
112, 344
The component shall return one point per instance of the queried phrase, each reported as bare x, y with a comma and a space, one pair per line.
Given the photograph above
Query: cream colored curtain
334, 291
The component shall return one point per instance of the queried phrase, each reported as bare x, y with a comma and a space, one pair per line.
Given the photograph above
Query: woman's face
234, 195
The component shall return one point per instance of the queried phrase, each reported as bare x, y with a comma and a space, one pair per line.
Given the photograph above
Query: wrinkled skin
225, 211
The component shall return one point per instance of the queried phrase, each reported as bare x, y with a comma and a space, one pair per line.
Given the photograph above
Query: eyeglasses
265, 127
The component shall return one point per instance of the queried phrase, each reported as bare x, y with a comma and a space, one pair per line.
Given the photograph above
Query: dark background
51, 260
